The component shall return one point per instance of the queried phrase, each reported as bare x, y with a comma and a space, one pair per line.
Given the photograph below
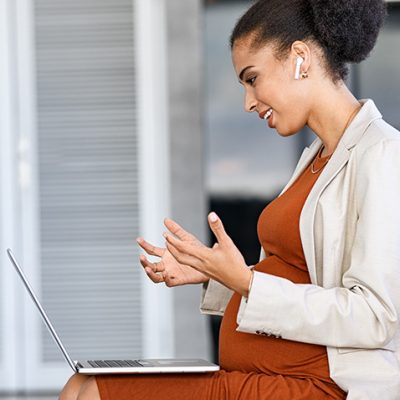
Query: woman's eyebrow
243, 71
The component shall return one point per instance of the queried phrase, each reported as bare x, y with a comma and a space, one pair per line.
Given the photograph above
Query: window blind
88, 176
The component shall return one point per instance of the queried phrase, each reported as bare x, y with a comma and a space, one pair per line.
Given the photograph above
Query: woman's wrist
246, 282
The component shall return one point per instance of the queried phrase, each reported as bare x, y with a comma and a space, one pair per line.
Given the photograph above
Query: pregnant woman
318, 316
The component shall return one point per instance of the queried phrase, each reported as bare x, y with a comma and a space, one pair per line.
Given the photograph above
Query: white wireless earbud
299, 61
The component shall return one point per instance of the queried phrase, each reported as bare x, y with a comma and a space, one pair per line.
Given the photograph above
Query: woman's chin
285, 132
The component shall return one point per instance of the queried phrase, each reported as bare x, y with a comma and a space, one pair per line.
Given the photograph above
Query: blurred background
114, 114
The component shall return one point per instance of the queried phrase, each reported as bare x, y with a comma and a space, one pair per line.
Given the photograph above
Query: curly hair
345, 30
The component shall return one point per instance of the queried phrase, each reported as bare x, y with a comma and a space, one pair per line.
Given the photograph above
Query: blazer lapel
339, 159
335, 164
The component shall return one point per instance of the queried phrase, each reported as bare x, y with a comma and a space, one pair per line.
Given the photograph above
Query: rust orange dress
252, 366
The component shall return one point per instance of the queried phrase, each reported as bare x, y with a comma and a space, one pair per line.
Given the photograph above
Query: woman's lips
266, 115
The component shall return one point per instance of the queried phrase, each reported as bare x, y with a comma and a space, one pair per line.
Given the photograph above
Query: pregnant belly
249, 352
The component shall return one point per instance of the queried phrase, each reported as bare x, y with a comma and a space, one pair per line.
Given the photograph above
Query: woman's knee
73, 387
89, 390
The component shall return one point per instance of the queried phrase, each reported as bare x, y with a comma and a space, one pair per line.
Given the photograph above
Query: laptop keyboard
114, 363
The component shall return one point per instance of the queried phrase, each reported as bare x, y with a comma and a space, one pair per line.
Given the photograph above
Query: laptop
97, 367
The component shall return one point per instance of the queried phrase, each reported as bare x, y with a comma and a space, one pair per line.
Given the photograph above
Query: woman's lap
220, 385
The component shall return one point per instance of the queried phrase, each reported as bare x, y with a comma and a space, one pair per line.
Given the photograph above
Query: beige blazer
350, 232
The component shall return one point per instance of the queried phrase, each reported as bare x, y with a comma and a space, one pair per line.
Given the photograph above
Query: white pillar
152, 97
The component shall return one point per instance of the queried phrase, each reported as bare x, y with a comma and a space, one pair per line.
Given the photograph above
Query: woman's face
270, 85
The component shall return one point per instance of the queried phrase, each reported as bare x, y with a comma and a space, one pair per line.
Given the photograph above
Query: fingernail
165, 234
213, 217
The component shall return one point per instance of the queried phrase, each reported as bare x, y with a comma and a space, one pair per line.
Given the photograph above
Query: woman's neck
331, 114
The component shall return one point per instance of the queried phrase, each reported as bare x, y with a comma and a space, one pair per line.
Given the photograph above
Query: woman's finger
183, 258
177, 230
150, 270
218, 228
184, 247
149, 248
156, 278
155, 267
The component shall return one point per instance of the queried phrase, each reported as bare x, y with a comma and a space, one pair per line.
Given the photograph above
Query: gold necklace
314, 171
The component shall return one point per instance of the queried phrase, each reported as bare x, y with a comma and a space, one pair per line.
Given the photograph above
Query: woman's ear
300, 57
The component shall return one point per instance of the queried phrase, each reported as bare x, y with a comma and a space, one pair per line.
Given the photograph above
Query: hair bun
349, 28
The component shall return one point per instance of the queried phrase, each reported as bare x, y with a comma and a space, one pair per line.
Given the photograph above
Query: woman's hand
168, 269
223, 262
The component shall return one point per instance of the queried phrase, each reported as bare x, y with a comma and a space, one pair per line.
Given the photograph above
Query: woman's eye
251, 81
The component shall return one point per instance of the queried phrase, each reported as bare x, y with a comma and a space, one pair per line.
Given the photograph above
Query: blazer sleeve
215, 298
363, 312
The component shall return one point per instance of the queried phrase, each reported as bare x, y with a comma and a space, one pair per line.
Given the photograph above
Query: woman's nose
250, 103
